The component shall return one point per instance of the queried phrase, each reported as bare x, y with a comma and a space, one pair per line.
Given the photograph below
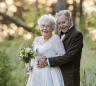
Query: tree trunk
37, 5
74, 12
60, 5
81, 12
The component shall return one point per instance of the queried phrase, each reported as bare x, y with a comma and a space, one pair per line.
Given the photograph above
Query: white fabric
62, 37
47, 76
32, 62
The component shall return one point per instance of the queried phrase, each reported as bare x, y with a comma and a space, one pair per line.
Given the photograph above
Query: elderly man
72, 40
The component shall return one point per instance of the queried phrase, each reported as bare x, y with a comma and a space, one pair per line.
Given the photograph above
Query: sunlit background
11, 7
18, 28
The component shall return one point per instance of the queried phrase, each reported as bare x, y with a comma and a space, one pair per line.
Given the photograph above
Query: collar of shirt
62, 36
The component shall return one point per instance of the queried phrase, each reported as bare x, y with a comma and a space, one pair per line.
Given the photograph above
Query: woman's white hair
63, 12
48, 18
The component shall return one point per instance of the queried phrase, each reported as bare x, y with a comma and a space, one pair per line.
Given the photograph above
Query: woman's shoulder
56, 36
56, 39
37, 38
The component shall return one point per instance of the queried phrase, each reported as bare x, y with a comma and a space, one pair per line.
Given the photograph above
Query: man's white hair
63, 12
48, 18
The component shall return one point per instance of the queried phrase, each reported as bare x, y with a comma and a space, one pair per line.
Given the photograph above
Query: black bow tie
62, 33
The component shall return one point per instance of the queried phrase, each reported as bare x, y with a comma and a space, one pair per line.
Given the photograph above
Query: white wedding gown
47, 76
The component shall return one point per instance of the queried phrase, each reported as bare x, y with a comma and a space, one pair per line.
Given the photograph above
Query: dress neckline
44, 42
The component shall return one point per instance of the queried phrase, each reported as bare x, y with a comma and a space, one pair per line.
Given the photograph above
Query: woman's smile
46, 29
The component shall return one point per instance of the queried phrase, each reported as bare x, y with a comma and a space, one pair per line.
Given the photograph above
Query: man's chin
64, 31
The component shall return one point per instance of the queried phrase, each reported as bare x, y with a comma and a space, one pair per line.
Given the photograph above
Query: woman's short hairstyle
48, 18
63, 12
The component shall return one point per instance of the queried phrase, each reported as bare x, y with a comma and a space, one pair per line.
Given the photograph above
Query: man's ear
71, 20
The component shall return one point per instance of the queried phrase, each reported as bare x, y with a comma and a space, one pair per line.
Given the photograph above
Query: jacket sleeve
73, 49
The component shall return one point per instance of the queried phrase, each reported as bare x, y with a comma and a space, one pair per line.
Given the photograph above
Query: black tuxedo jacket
70, 62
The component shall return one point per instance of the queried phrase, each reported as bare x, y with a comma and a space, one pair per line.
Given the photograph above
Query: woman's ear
52, 29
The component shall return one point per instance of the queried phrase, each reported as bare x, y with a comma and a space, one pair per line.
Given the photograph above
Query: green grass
88, 61
13, 47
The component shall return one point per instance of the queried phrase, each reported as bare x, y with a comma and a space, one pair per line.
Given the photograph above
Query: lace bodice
52, 47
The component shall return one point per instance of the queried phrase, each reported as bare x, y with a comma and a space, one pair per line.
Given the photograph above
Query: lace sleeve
58, 47
36, 40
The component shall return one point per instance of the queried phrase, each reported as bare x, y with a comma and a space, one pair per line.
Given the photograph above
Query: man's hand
42, 62
30, 68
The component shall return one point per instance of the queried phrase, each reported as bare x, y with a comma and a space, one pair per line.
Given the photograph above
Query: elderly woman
49, 45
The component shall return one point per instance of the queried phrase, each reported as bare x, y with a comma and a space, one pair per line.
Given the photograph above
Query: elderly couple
58, 59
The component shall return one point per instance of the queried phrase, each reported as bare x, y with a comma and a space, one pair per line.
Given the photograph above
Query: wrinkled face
64, 23
46, 28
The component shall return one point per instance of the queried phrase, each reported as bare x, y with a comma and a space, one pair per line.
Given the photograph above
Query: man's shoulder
77, 32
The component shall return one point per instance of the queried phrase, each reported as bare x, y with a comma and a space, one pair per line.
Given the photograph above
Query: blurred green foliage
13, 69
82, 26
20, 77
91, 17
32, 16
5, 70
88, 63
91, 20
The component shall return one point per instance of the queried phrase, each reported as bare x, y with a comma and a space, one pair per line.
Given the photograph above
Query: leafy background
14, 37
